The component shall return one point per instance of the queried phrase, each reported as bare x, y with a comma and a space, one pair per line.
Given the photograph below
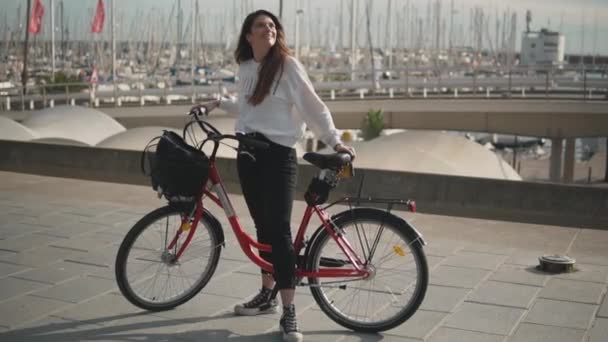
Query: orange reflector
398, 250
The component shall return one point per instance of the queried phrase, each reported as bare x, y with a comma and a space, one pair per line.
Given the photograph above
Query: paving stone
57, 272
518, 274
592, 273
572, 290
233, 285
95, 310
590, 259
599, 331
419, 325
485, 318
226, 327
51, 329
103, 273
11, 229
561, 314
357, 337
111, 219
8, 269
39, 256
25, 242
87, 242
490, 249
6, 254
525, 258
77, 290
434, 261
27, 308
12, 287
316, 327
228, 266
102, 258
603, 312
37, 210
457, 276
475, 260
73, 229
513, 295
443, 248
89, 209
54, 219
527, 332
201, 306
443, 298
5, 209
444, 334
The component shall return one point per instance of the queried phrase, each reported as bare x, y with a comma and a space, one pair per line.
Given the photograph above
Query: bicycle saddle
334, 161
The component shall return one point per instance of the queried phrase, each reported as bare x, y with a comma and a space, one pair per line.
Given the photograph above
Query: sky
320, 21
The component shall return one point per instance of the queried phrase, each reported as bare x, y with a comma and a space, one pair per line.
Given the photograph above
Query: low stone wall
541, 203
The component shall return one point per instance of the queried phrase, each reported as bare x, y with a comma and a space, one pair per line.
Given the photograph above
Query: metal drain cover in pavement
556, 263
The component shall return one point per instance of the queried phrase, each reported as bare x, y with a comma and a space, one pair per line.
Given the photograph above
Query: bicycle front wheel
146, 271
396, 262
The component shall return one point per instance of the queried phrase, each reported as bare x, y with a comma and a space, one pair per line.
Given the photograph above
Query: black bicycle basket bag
317, 192
178, 171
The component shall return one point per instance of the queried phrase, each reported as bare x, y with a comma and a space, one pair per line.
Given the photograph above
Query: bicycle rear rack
358, 200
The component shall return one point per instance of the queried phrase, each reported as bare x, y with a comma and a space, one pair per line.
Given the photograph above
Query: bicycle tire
126, 285
347, 222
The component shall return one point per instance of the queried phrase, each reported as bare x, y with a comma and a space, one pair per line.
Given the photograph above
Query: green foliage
373, 124
61, 80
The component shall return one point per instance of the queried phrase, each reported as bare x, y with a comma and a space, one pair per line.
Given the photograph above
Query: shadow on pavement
103, 329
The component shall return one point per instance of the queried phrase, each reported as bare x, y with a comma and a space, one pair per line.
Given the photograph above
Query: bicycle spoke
385, 296
153, 275
359, 233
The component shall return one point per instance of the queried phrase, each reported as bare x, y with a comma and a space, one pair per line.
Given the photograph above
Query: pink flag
94, 77
36, 19
98, 19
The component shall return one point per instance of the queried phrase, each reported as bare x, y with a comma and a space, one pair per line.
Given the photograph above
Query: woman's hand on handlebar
345, 149
204, 108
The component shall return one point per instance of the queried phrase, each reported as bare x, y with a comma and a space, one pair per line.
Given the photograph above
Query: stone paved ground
58, 240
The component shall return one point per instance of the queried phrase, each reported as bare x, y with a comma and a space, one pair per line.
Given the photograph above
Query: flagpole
25, 47
52, 41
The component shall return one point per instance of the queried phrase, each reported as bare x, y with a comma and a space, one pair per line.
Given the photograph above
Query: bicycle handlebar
215, 135
241, 139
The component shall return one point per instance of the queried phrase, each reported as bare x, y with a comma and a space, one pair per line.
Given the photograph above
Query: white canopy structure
431, 152
85, 125
12, 130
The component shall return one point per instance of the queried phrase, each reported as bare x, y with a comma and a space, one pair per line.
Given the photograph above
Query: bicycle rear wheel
145, 271
399, 272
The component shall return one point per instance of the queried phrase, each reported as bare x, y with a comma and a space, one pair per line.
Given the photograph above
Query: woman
271, 83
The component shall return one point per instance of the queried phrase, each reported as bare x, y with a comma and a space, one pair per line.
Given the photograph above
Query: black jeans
268, 180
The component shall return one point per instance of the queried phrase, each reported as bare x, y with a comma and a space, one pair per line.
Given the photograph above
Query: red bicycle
365, 267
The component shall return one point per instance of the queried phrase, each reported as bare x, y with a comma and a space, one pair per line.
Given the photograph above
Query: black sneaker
258, 305
289, 325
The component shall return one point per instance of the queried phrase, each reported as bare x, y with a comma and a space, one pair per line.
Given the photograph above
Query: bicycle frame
247, 243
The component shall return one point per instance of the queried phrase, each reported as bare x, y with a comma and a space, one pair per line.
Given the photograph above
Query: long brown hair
273, 62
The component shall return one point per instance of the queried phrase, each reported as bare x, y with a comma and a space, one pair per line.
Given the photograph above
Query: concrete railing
540, 203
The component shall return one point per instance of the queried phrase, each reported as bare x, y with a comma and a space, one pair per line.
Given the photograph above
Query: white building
542, 48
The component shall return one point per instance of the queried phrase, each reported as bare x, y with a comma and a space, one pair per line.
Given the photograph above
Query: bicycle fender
215, 225
412, 233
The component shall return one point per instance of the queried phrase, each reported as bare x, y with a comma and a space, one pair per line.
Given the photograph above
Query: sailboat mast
353, 39
52, 40
113, 33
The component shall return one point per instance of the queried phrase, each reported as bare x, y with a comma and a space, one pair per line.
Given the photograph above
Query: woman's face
263, 32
